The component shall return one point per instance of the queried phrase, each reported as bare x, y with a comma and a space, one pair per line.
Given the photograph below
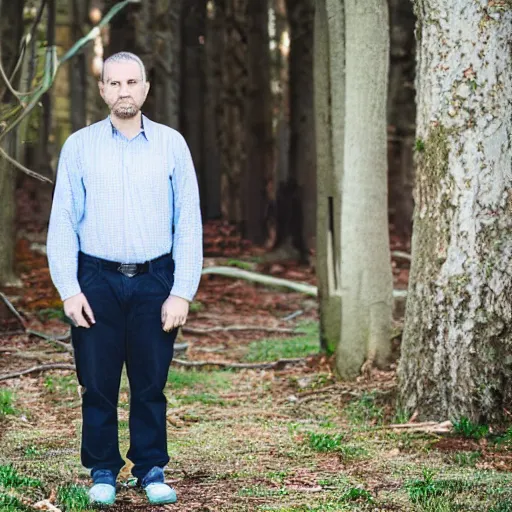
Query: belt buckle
128, 269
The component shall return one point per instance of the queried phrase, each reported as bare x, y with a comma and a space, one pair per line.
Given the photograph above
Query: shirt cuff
69, 291
183, 292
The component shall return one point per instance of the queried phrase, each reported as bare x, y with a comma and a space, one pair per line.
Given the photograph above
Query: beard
125, 109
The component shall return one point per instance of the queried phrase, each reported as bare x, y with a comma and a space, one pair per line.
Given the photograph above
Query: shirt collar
144, 126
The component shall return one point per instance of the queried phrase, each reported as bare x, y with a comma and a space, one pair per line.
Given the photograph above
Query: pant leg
149, 353
99, 357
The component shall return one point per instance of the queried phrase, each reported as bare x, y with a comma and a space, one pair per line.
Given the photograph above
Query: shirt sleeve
188, 236
67, 211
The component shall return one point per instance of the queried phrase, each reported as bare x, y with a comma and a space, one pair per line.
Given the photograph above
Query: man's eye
114, 84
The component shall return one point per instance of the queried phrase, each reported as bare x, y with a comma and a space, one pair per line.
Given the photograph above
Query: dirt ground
292, 438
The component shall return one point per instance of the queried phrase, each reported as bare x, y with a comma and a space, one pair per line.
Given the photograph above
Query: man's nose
123, 90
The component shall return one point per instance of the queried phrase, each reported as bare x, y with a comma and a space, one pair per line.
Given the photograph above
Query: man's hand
78, 310
174, 312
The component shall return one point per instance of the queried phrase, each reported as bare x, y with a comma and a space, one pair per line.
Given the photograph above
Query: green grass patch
325, 442
272, 349
364, 410
60, 384
217, 380
466, 458
357, 494
32, 451
10, 478
11, 504
466, 428
204, 398
6, 402
73, 498
260, 491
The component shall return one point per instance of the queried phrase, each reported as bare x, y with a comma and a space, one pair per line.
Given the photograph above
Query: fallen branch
428, 427
256, 277
401, 255
36, 369
281, 363
55, 340
206, 330
13, 310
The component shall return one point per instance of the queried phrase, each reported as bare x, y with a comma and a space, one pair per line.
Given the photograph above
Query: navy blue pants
128, 329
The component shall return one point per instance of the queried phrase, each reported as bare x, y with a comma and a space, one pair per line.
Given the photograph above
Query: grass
272, 349
10, 503
364, 410
325, 442
10, 478
466, 428
61, 384
466, 458
6, 402
72, 498
259, 451
179, 379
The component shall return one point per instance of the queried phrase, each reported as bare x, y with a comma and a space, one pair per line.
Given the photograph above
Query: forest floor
288, 439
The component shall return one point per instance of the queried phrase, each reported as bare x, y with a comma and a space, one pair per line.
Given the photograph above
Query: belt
128, 269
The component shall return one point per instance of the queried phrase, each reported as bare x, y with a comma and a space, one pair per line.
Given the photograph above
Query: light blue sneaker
103, 492
158, 492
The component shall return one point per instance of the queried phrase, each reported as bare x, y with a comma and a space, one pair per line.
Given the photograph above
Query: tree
353, 259
258, 124
78, 72
230, 109
193, 88
11, 32
296, 197
401, 115
457, 338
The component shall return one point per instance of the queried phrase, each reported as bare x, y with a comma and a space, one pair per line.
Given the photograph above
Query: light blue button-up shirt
114, 198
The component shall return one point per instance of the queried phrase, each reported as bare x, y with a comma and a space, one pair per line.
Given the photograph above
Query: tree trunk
258, 124
353, 251
299, 192
193, 86
231, 108
214, 44
457, 339
166, 79
401, 115
329, 99
78, 69
366, 262
11, 31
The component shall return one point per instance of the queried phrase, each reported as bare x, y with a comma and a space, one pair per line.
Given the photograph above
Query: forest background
354, 165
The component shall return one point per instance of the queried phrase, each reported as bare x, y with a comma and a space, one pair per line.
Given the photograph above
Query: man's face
122, 88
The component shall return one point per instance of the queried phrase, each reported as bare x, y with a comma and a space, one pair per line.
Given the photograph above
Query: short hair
123, 57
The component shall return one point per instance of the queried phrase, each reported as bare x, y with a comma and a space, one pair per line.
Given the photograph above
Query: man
124, 186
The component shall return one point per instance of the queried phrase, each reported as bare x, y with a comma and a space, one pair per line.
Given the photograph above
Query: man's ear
101, 87
147, 89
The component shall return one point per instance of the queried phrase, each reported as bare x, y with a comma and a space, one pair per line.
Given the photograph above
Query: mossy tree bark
355, 281
456, 350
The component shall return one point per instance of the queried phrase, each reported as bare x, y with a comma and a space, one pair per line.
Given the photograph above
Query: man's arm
188, 234
67, 210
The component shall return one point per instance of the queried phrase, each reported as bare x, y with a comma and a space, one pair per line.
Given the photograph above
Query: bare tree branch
13, 310
36, 369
